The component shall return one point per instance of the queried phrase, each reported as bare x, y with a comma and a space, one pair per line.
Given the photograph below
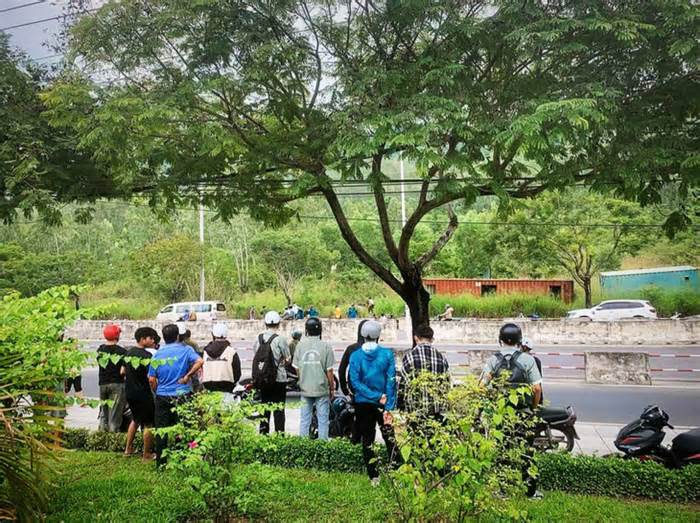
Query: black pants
76, 382
367, 417
276, 393
165, 416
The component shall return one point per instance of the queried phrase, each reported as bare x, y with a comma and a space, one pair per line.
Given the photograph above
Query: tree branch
350, 238
440, 242
378, 189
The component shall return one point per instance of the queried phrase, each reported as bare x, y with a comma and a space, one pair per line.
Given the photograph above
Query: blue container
624, 282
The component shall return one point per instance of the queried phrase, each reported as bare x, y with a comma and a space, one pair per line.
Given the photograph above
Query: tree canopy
252, 105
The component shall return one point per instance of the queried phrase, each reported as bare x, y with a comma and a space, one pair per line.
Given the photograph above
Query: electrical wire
22, 6
34, 22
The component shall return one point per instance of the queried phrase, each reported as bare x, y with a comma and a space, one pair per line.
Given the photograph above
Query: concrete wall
238, 329
617, 368
543, 332
659, 332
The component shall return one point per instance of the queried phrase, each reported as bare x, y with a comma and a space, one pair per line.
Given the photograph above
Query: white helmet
272, 318
527, 344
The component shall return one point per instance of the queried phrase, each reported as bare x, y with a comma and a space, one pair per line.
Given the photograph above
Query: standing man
269, 372
222, 366
314, 362
523, 371
423, 357
373, 379
370, 306
110, 380
138, 391
170, 380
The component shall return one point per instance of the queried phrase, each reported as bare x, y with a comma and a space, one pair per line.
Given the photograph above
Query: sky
32, 39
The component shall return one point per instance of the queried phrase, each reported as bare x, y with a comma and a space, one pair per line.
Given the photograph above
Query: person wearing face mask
373, 379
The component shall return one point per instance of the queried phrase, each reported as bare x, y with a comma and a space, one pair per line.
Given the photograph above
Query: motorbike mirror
670, 426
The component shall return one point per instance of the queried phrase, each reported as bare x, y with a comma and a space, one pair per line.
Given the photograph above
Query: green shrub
577, 474
618, 478
337, 455
670, 302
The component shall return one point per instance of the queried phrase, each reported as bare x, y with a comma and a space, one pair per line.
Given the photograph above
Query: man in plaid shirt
425, 398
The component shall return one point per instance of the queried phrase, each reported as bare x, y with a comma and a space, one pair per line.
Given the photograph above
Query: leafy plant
34, 360
464, 463
205, 446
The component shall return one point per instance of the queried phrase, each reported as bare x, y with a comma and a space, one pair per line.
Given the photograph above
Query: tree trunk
418, 301
587, 291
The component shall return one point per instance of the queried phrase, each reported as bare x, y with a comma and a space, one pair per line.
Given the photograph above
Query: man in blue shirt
175, 364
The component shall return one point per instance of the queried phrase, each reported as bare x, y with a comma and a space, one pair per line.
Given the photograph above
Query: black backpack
510, 362
264, 366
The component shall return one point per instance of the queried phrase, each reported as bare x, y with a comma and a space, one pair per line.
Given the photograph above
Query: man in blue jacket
373, 378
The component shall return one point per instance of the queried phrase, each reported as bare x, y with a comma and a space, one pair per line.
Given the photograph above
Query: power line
22, 6
34, 22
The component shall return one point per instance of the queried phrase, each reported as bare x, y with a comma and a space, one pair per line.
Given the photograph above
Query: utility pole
409, 329
201, 245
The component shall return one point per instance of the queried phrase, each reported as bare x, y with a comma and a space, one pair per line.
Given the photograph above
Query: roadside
596, 438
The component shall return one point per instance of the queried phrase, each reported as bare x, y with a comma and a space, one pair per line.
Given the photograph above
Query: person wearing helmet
296, 337
373, 379
275, 392
111, 381
314, 361
523, 371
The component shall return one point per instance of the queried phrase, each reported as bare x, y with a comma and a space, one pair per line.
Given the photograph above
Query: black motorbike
555, 429
642, 439
341, 419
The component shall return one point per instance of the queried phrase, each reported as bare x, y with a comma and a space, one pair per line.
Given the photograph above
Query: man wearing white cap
272, 390
222, 366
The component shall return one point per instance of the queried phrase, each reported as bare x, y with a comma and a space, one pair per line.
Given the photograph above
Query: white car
203, 311
613, 310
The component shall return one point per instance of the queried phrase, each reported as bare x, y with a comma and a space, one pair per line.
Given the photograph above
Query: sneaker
374, 482
537, 496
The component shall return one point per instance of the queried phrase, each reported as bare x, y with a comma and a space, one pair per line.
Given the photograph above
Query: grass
100, 486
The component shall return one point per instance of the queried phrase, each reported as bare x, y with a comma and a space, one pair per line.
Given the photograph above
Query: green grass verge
100, 486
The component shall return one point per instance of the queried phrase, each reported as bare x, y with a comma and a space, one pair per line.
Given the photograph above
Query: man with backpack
269, 372
522, 367
523, 371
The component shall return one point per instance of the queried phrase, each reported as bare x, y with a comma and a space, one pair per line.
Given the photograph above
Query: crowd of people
153, 378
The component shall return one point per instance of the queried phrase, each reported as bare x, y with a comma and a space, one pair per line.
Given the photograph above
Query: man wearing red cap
110, 380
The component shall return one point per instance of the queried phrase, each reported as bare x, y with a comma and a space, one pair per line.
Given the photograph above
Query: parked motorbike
342, 419
642, 440
556, 429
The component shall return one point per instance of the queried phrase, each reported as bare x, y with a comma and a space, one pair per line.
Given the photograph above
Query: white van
203, 310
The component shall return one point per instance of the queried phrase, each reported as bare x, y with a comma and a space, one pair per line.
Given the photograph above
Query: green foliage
97, 486
465, 465
204, 447
669, 302
576, 474
619, 478
34, 360
169, 267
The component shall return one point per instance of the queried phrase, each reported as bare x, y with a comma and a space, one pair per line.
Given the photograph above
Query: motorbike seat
687, 443
552, 415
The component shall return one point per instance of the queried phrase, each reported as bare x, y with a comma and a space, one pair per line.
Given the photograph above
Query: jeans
322, 414
111, 417
276, 393
367, 417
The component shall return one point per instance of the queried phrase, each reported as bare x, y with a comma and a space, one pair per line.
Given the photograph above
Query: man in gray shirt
314, 360
277, 392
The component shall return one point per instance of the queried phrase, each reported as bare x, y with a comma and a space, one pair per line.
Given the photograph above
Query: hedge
594, 475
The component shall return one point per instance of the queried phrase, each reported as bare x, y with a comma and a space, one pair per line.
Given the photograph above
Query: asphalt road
593, 403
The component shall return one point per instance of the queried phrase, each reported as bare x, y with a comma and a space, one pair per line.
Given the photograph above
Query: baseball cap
111, 332
219, 330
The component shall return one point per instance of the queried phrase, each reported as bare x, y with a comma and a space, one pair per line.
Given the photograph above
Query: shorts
142, 411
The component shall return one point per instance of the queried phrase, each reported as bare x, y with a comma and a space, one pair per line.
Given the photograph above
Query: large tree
254, 104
